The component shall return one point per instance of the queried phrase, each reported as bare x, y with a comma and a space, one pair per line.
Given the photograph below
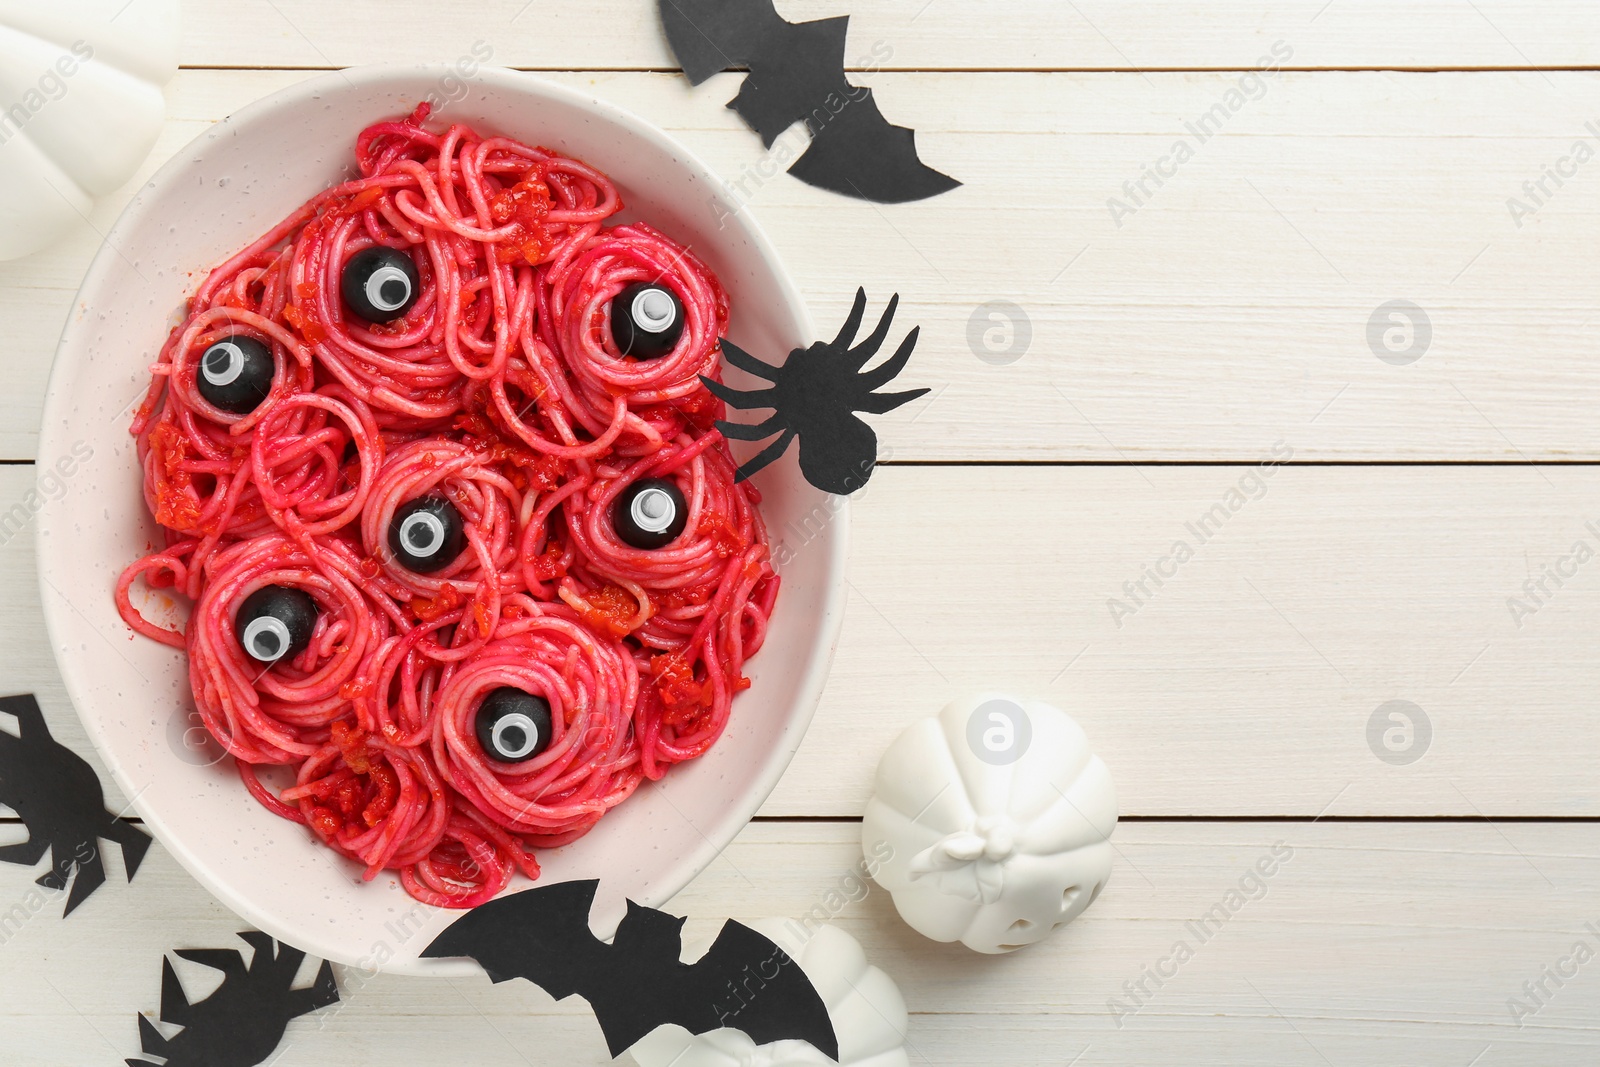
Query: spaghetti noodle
435, 474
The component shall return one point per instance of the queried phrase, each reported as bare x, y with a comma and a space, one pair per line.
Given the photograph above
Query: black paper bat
58, 796
637, 982
242, 1022
797, 74
814, 396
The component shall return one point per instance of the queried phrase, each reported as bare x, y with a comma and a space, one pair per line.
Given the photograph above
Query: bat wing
540, 934
857, 152
30, 720
796, 75
757, 988
638, 983
709, 36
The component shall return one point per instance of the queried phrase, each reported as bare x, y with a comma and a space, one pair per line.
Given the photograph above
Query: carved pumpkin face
997, 818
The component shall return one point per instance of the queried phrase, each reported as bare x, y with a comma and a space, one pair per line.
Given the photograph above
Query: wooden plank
1395, 943
1230, 310
922, 34
1244, 685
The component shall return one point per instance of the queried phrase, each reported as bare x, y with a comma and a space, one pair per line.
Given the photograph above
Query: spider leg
134, 841
738, 357
150, 1040
847, 332
264, 948
270, 957
91, 876
879, 403
30, 720
226, 960
58, 874
26, 852
869, 348
736, 431
885, 371
320, 994
756, 398
175, 1006
756, 462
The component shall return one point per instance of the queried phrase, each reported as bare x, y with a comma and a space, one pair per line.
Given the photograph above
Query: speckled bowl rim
64, 619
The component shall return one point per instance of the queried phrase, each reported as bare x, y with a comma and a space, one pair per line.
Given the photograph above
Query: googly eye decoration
276, 622
646, 320
380, 284
650, 513
513, 725
426, 534
235, 374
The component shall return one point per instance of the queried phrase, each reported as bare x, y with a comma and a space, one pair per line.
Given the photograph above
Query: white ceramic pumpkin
868, 1013
80, 85
996, 818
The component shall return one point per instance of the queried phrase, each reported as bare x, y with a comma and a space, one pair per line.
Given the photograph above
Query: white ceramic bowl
235, 181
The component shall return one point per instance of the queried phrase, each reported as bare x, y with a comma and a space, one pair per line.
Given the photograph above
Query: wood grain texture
923, 34
1243, 685
1367, 944
1230, 310
1213, 316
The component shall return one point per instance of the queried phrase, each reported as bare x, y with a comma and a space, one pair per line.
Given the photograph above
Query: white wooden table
1223, 323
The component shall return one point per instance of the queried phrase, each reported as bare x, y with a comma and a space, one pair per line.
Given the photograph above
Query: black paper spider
813, 397
243, 1021
58, 797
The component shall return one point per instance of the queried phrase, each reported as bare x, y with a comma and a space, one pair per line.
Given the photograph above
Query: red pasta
443, 706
